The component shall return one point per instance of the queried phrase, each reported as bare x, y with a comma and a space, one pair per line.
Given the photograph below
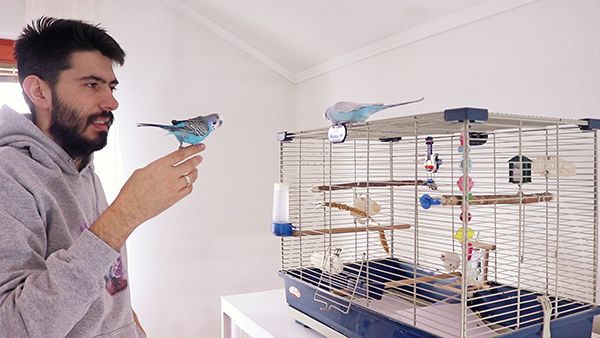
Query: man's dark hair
44, 48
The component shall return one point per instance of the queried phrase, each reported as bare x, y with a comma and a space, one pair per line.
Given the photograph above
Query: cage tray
360, 321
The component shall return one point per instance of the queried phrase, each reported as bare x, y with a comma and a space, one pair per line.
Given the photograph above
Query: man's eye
112, 89
91, 85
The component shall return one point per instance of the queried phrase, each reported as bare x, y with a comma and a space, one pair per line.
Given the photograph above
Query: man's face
82, 104
69, 127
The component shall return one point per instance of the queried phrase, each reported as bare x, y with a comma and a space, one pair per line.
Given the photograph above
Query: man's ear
38, 92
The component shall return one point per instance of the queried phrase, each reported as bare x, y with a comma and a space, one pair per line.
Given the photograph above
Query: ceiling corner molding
231, 38
466, 16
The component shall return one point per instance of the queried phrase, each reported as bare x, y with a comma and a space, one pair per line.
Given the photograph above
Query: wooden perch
455, 287
410, 281
486, 255
341, 292
362, 213
384, 242
370, 184
482, 245
423, 279
498, 199
298, 233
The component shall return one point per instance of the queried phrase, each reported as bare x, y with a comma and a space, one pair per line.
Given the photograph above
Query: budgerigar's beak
219, 123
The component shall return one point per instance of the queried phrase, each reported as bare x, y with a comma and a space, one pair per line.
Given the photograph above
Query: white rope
547, 308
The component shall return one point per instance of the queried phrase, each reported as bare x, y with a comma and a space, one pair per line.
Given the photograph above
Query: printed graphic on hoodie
115, 279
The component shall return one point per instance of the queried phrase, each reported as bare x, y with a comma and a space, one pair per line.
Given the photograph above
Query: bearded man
63, 266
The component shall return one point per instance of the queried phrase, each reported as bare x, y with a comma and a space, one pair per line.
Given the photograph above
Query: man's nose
109, 102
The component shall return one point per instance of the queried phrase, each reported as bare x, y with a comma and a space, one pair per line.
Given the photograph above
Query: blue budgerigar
350, 112
192, 131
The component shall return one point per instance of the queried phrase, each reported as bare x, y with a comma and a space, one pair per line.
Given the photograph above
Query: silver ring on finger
188, 182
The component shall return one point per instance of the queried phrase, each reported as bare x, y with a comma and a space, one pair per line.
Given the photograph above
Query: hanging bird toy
432, 162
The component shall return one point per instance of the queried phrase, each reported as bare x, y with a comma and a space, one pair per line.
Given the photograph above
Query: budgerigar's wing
198, 126
350, 106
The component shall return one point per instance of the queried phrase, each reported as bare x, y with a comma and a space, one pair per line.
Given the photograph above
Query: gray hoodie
57, 279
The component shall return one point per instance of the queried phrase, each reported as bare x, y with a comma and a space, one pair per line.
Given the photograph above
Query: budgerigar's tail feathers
163, 126
403, 103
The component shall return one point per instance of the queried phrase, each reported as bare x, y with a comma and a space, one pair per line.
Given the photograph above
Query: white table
266, 315
262, 315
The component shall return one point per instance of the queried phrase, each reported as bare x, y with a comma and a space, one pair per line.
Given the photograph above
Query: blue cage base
574, 320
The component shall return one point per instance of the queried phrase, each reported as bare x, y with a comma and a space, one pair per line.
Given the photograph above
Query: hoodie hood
18, 131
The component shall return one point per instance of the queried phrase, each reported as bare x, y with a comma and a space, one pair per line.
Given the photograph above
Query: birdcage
459, 223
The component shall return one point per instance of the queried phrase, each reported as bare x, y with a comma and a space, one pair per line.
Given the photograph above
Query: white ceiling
303, 38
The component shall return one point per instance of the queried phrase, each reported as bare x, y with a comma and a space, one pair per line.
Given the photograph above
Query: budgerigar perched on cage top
351, 112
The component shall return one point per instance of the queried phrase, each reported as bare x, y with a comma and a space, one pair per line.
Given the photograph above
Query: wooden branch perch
498, 199
341, 206
298, 233
482, 245
389, 183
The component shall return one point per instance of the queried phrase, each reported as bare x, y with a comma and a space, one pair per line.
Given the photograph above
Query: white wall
12, 15
217, 241
540, 59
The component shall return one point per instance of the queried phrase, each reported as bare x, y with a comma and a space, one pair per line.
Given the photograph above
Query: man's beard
68, 128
